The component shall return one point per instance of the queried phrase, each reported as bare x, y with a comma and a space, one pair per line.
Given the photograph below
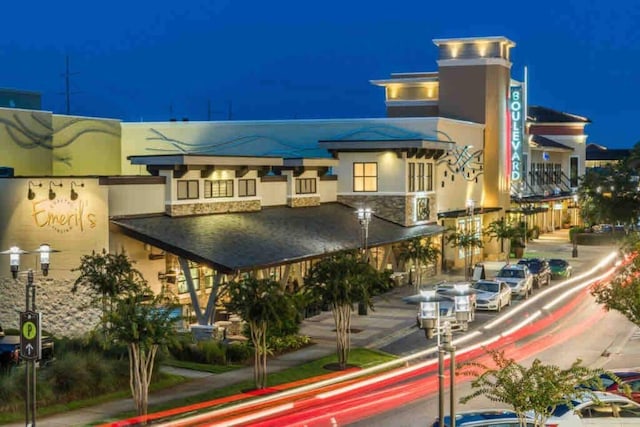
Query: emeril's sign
516, 133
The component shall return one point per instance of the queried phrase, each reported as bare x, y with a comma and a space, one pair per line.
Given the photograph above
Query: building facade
198, 205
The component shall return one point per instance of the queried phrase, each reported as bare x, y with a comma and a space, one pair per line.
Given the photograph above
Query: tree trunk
140, 370
259, 340
342, 319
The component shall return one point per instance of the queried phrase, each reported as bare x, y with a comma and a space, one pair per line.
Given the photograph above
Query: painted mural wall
39, 143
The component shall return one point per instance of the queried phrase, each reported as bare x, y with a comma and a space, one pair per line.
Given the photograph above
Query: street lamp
470, 231
574, 237
30, 333
364, 218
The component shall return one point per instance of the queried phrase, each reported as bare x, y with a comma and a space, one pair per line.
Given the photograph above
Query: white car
492, 295
518, 277
448, 290
608, 410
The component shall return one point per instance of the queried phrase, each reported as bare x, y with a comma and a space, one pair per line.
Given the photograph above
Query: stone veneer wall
398, 209
213, 208
303, 202
63, 313
391, 208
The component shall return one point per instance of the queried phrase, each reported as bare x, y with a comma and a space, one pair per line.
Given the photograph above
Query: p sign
30, 338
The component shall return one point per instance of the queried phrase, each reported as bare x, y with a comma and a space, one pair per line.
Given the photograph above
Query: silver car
518, 277
492, 295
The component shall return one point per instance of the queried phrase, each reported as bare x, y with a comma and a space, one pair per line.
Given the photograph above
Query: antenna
67, 81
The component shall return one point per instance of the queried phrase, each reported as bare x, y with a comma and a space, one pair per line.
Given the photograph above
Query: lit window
365, 177
218, 188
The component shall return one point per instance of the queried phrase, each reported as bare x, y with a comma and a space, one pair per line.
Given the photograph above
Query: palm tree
419, 251
503, 230
260, 303
468, 241
340, 281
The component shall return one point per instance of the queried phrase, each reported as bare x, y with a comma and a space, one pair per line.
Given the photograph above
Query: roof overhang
237, 242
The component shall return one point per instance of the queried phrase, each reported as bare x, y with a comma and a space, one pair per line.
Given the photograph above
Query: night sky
140, 60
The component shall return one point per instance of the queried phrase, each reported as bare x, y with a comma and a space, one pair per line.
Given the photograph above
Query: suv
540, 270
519, 279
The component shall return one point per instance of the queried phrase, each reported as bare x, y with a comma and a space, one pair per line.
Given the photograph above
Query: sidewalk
390, 320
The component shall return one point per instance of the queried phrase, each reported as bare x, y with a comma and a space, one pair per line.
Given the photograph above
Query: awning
273, 236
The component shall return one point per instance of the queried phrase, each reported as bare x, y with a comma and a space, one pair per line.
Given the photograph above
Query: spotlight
52, 194
30, 193
74, 193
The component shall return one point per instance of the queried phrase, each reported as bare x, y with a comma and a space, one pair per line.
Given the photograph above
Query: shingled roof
234, 242
547, 115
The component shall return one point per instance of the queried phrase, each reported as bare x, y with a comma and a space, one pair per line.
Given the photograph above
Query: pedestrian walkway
390, 320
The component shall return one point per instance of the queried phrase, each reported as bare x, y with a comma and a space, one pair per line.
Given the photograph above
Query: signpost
30, 336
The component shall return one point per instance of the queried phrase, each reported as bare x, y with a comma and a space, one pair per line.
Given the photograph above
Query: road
537, 327
587, 334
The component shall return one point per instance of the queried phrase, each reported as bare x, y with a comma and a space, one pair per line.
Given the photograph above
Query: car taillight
551, 425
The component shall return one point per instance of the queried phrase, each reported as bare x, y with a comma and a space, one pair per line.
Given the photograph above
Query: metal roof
273, 236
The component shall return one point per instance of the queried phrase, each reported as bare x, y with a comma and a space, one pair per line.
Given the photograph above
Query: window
305, 185
246, 187
218, 188
187, 189
420, 177
573, 171
365, 177
412, 177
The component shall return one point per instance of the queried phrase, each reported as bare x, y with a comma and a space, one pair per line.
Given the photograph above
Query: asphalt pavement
390, 320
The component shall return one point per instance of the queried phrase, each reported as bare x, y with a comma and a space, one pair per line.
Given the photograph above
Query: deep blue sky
140, 60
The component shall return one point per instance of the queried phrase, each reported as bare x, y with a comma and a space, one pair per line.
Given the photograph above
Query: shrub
212, 352
288, 343
239, 352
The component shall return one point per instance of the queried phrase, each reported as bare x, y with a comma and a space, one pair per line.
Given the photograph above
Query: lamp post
30, 330
574, 236
429, 319
364, 218
470, 231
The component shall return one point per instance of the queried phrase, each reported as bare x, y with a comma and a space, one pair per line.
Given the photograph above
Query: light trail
402, 372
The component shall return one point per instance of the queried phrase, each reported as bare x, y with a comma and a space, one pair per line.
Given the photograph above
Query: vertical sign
516, 131
30, 345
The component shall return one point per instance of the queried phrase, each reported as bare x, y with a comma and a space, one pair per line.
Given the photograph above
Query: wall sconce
74, 194
30, 193
52, 194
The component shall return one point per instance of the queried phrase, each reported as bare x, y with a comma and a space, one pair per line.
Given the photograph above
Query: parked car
540, 270
492, 295
560, 268
630, 380
518, 277
485, 418
607, 409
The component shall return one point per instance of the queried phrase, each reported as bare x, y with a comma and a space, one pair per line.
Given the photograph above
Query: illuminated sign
516, 131
63, 215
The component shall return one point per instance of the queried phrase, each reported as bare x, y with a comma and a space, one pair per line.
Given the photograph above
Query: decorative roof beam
180, 171
242, 171
207, 171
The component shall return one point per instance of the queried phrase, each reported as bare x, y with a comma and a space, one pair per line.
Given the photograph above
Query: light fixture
52, 194
74, 194
30, 193
45, 255
14, 259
